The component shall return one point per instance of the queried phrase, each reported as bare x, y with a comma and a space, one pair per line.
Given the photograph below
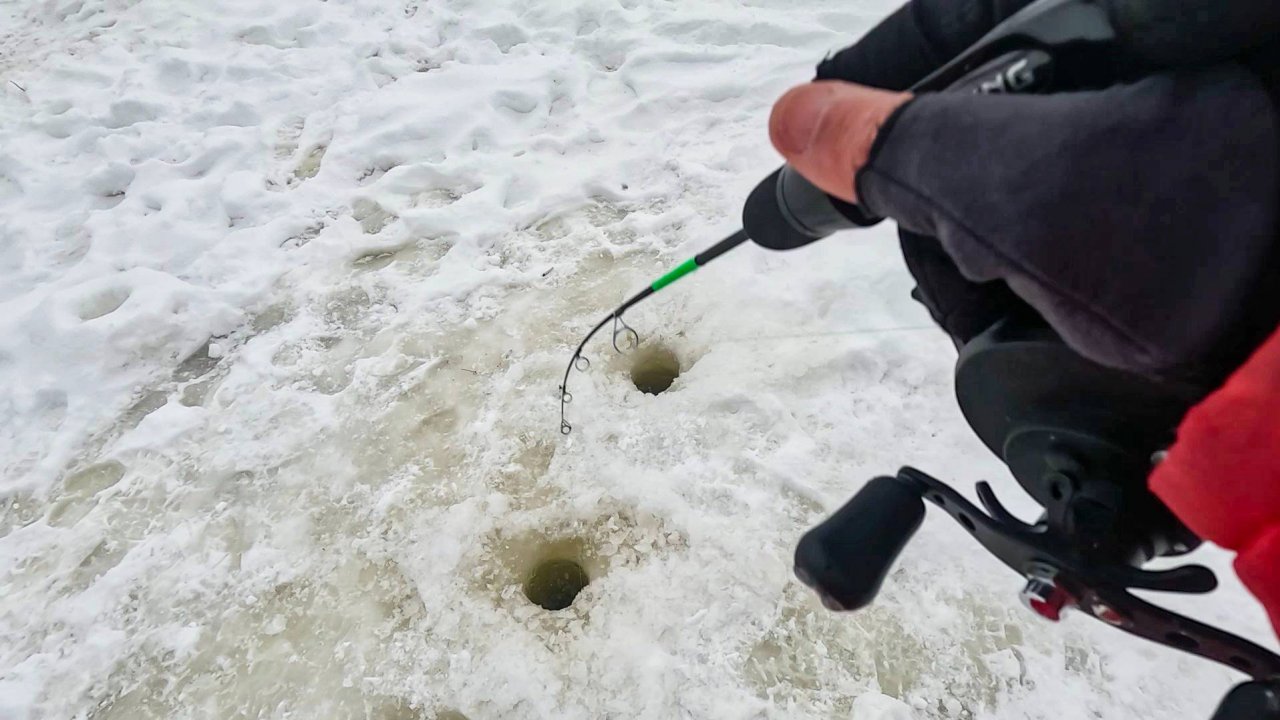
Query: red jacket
1222, 476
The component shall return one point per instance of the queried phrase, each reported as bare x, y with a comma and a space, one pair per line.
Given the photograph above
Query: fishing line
625, 338
820, 335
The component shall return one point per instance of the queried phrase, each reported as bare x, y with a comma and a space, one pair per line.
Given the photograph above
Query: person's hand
825, 130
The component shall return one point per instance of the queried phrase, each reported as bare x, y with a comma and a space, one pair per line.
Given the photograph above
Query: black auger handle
846, 558
1251, 701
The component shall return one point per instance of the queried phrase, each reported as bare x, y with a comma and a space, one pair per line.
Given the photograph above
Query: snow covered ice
286, 289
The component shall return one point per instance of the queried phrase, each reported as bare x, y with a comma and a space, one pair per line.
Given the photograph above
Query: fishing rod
785, 211
630, 338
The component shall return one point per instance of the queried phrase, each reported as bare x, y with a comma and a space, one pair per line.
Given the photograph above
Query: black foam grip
764, 221
786, 211
846, 558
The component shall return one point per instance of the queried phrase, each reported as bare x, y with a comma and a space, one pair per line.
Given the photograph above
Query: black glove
1140, 220
903, 49
919, 38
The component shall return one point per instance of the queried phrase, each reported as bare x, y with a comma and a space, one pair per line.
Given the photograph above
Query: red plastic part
1047, 610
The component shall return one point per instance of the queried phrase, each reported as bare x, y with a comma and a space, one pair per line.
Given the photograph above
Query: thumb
825, 130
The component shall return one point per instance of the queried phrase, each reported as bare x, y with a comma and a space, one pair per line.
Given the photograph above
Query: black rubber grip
846, 558
786, 211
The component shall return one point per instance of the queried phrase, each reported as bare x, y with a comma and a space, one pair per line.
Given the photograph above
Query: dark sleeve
1138, 220
1187, 33
920, 37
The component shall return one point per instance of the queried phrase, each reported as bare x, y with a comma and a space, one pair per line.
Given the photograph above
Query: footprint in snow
80, 491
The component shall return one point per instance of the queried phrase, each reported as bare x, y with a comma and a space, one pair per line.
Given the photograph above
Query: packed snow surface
286, 289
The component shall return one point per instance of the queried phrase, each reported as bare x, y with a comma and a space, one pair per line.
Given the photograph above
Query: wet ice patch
439, 197
290, 650
309, 166
76, 498
371, 216
374, 260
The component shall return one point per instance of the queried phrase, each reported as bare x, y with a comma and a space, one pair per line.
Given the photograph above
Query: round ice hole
554, 584
654, 369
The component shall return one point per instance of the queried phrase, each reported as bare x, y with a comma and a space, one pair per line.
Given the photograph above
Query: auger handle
848, 556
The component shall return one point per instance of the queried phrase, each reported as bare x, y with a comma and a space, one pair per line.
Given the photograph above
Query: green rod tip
683, 269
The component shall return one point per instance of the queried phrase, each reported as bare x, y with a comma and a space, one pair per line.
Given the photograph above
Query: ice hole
654, 369
554, 583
